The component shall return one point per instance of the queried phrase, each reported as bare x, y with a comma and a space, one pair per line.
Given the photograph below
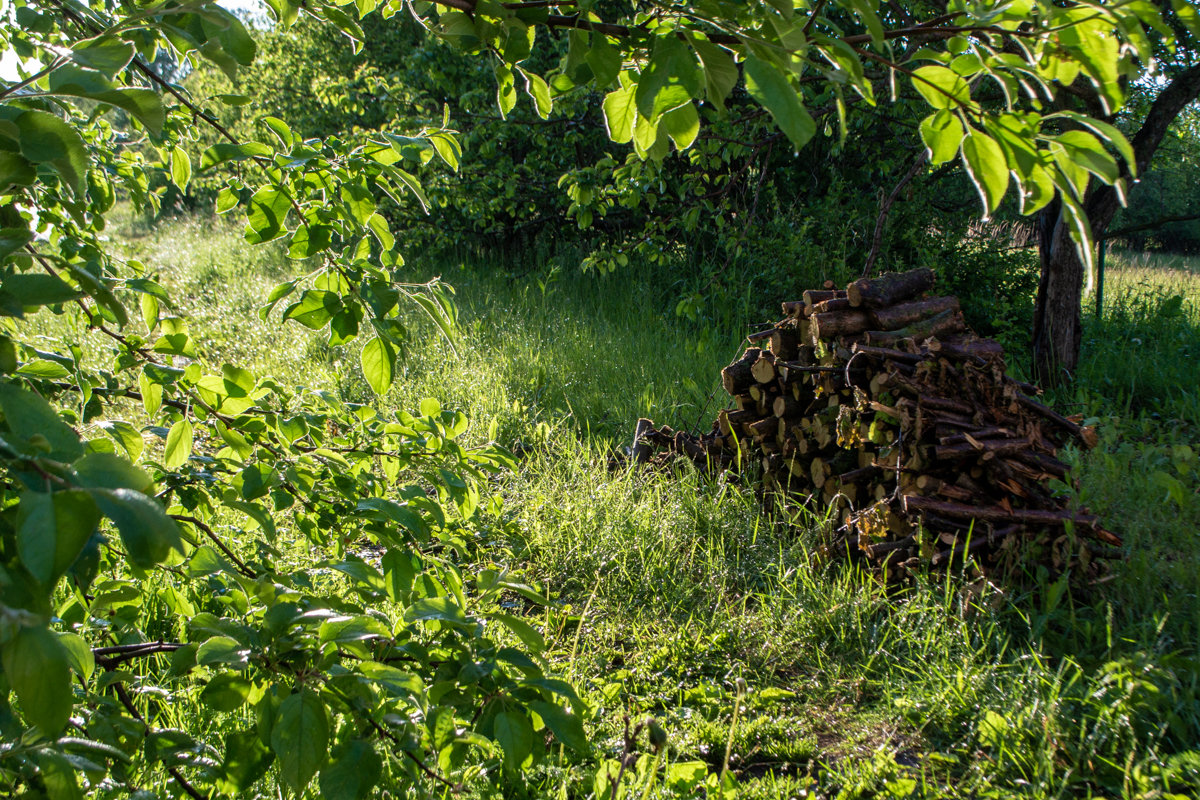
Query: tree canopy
106, 544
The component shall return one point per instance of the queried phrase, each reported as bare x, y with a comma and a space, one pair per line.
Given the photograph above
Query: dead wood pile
880, 405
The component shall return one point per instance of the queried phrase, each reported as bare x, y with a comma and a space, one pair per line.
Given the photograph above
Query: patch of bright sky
9, 63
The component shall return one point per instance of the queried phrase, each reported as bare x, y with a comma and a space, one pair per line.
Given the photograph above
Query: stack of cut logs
878, 404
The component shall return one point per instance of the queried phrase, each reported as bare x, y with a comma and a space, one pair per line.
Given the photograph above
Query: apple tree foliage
136, 580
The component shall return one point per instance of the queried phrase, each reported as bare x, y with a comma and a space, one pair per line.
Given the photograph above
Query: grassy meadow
675, 598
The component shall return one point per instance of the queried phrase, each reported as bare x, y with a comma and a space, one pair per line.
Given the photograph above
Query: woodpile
877, 404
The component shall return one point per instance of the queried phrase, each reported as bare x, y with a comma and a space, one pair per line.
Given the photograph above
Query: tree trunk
1057, 325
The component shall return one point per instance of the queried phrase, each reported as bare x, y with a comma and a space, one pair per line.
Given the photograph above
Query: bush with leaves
131, 577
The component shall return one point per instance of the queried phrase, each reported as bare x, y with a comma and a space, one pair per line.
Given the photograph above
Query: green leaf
1085, 150
46, 139
37, 667
108, 471
720, 73
238, 382
222, 650
151, 309
52, 529
1079, 227
395, 682
353, 770
247, 760
280, 291
221, 153
565, 726
1188, 15
260, 516
358, 201
58, 774
179, 444
28, 414
152, 393
37, 289
227, 691
448, 149
524, 631
281, 130
344, 630
233, 36
378, 363
286, 11
234, 99
384, 510
942, 132
181, 168
1109, 133
941, 87
106, 54
79, 655
620, 110
670, 79
513, 731
314, 309
143, 104
867, 11
381, 232
768, 85
539, 90
255, 480
46, 370
14, 171
434, 609
148, 533
266, 216
412, 184
604, 59
300, 738
100, 291
987, 167
13, 239
683, 125
308, 240
438, 313
506, 90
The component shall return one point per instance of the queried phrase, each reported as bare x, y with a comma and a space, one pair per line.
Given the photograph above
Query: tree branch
885, 208
1119, 232
1181, 92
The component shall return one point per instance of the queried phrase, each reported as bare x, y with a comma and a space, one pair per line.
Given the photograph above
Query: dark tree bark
1057, 327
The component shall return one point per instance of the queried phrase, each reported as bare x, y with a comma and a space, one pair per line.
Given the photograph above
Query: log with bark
881, 403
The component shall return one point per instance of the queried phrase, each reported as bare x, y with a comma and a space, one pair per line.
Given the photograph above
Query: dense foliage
377, 658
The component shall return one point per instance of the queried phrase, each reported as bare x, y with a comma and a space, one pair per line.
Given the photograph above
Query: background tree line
736, 211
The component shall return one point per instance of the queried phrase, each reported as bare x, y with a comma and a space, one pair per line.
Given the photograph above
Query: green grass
1143, 352
671, 586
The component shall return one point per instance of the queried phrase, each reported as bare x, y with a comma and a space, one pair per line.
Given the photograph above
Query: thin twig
885, 208
127, 701
241, 565
109, 657
384, 732
16, 87
813, 17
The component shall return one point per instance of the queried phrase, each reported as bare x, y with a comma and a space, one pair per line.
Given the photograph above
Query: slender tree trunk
1057, 325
